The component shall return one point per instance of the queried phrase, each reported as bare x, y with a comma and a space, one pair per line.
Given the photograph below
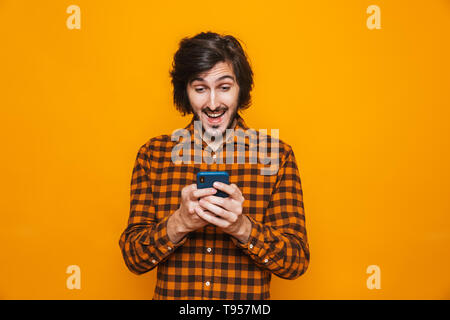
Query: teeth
215, 115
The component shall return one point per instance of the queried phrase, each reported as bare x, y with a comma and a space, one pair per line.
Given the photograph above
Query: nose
212, 101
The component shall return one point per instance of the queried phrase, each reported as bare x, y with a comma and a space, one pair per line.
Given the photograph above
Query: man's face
214, 97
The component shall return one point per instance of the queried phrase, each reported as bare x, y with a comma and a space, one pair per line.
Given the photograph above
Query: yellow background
366, 111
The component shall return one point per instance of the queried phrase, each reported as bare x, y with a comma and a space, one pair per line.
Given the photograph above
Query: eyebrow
218, 79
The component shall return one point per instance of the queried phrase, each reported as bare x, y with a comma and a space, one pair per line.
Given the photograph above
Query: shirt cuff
255, 243
161, 239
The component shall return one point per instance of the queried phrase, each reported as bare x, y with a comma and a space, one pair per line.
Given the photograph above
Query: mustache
220, 109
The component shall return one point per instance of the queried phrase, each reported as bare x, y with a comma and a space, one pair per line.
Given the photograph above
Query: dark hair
199, 54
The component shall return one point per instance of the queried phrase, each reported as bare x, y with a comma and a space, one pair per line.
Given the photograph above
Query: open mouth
215, 114
215, 118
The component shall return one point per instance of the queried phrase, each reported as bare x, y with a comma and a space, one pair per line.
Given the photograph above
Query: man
209, 247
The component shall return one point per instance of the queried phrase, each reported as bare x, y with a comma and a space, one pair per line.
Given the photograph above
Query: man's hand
185, 219
228, 212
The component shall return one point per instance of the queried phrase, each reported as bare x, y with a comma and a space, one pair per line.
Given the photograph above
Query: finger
211, 219
186, 191
191, 207
225, 214
198, 193
204, 211
230, 189
226, 203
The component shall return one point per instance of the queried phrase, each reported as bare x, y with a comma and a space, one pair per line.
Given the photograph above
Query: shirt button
169, 248
250, 246
153, 261
266, 260
209, 249
207, 283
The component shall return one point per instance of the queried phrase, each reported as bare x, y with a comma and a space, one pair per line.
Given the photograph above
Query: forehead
219, 70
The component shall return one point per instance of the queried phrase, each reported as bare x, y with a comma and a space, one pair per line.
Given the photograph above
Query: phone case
205, 179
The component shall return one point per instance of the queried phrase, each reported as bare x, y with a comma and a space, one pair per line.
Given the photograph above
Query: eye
225, 88
199, 89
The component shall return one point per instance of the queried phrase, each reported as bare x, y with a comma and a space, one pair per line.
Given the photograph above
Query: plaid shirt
208, 263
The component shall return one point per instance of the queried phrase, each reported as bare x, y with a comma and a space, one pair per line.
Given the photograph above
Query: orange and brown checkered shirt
208, 263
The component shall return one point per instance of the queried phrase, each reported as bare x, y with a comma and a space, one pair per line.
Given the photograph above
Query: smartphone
205, 179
